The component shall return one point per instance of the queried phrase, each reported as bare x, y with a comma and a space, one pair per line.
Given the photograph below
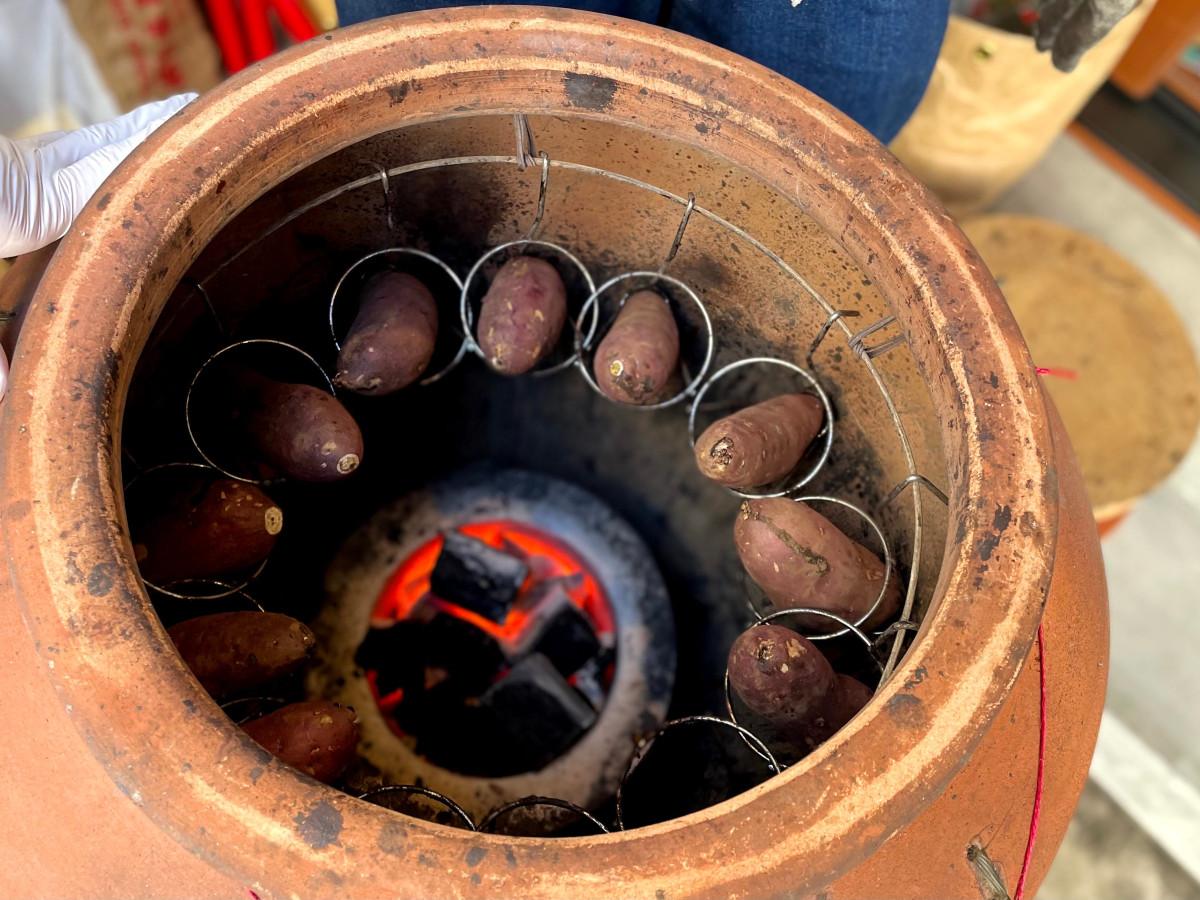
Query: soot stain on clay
393, 839
320, 827
589, 91
907, 710
100, 580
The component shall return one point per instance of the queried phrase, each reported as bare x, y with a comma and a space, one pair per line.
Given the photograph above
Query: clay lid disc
1133, 409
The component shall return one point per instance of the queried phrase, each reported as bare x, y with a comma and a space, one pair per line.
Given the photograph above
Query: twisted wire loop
189, 588
585, 329
487, 823
644, 747
420, 790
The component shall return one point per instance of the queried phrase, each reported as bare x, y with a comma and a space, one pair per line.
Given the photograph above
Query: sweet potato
198, 527
235, 651
779, 674
640, 353
392, 338
845, 698
800, 559
317, 737
301, 431
761, 443
522, 315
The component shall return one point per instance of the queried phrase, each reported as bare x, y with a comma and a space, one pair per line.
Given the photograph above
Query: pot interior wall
266, 279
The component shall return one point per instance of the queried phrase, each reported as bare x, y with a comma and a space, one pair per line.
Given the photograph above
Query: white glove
45, 180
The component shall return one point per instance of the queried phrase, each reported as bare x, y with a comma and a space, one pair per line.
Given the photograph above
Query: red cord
1040, 784
294, 20
1069, 374
1041, 768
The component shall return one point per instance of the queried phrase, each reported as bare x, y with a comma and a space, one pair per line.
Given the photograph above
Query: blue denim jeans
870, 58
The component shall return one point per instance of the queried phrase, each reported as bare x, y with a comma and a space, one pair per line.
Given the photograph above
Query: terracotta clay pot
944, 756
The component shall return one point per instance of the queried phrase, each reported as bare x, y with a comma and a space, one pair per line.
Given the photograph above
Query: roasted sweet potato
197, 527
299, 430
761, 443
800, 559
639, 355
522, 315
392, 338
317, 737
236, 651
779, 674
845, 698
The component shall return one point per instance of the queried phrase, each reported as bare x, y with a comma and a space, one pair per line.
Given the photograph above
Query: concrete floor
1106, 856
1138, 831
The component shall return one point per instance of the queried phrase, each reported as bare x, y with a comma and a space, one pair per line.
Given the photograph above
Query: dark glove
1068, 28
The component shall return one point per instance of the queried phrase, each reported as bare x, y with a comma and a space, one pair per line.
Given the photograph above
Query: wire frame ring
248, 716
889, 566
489, 820
524, 158
420, 790
644, 747
399, 251
325, 384
766, 620
583, 342
224, 590
171, 589
825, 434
467, 316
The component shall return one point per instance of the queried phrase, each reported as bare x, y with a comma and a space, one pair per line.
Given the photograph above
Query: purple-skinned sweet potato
800, 559
640, 353
841, 704
392, 338
760, 444
779, 674
299, 430
317, 737
522, 315
199, 528
236, 651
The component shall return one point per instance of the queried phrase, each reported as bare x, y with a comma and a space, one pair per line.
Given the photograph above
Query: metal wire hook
824, 331
212, 310
387, 197
526, 151
914, 478
683, 224
541, 204
861, 350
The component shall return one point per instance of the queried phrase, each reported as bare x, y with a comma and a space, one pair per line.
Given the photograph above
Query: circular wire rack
890, 642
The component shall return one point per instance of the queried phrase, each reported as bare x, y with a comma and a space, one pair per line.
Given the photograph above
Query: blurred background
1082, 193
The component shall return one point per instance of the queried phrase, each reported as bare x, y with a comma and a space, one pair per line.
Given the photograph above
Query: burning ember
495, 632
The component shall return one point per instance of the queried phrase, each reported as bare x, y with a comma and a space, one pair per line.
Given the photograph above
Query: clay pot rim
172, 751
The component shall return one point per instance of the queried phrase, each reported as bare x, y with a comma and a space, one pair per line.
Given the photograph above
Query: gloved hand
1068, 28
45, 180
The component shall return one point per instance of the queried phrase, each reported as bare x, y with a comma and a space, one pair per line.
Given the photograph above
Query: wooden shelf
1184, 84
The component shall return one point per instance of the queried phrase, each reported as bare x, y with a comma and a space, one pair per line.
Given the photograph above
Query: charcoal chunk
589, 682
536, 712
473, 575
568, 639
395, 654
470, 656
555, 627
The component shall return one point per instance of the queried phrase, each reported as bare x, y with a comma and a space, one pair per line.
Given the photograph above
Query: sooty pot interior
614, 196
